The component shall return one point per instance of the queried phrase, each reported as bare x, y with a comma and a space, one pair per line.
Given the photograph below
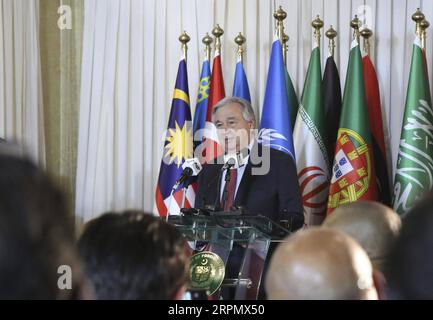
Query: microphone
191, 167
232, 161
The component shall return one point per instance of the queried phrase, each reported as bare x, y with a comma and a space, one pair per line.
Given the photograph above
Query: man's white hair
247, 109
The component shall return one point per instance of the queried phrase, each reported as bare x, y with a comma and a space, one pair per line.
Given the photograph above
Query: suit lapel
212, 186
247, 179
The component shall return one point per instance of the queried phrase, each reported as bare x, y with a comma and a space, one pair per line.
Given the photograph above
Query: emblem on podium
207, 271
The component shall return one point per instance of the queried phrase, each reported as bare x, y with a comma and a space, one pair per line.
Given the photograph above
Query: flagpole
207, 41
424, 25
355, 24
217, 32
317, 24
240, 40
366, 34
184, 39
280, 15
285, 47
331, 34
418, 16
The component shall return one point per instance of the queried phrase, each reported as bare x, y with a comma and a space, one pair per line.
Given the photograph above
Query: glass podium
242, 243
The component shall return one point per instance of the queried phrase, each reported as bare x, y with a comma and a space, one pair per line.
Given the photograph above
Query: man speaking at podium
261, 180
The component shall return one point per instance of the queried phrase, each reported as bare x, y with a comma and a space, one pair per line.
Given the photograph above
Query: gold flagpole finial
317, 24
418, 16
217, 32
423, 26
184, 39
285, 47
331, 34
280, 15
207, 41
366, 35
355, 24
240, 40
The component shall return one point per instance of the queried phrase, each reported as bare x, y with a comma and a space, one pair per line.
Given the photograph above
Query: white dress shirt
241, 171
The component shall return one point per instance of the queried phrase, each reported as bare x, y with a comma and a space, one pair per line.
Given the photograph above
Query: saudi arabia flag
310, 146
414, 173
353, 174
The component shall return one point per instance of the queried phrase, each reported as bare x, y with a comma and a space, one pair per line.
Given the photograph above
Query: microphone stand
183, 197
218, 195
186, 184
217, 204
185, 174
185, 188
169, 204
227, 180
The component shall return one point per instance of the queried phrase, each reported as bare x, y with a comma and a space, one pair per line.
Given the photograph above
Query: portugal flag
353, 174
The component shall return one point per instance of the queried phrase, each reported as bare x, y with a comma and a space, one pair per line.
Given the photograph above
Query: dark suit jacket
275, 195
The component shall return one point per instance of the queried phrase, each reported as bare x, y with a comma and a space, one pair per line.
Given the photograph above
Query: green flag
353, 175
293, 99
414, 173
310, 146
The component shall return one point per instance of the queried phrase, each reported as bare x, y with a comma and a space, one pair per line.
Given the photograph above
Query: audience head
409, 269
134, 255
373, 225
320, 263
36, 235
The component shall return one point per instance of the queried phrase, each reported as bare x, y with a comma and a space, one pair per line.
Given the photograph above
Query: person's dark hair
133, 255
36, 234
409, 269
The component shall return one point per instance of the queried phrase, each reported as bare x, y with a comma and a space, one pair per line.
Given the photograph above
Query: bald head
320, 263
374, 226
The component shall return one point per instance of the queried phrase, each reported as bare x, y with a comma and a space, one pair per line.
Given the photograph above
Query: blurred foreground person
409, 269
37, 256
320, 263
134, 255
374, 226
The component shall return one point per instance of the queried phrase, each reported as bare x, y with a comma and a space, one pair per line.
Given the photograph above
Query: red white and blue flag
210, 149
